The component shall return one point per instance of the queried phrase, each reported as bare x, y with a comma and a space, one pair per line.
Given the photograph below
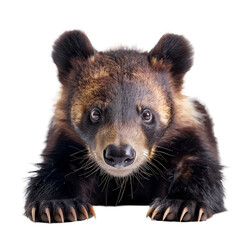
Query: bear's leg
195, 194
51, 198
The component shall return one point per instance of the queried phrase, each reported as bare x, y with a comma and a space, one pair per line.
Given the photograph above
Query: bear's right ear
70, 45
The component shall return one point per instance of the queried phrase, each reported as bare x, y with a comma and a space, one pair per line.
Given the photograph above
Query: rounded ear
70, 45
173, 53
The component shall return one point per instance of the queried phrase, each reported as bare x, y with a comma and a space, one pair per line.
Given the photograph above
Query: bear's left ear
172, 53
70, 45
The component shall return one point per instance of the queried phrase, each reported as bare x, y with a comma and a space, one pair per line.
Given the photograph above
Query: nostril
128, 161
125, 161
110, 160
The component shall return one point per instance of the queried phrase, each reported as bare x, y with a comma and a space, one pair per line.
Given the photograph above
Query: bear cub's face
120, 103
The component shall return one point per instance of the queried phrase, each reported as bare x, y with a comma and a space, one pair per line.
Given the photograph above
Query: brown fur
126, 99
96, 76
158, 99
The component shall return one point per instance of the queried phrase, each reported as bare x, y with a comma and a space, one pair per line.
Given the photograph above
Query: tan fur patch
157, 100
76, 112
60, 113
121, 135
160, 64
185, 112
92, 59
60, 120
98, 73
160, 105
184, 167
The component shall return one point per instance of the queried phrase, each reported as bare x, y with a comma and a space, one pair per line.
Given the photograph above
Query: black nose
119, 156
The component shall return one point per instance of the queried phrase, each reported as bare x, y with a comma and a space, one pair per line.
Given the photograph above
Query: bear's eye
147, 115
95, 115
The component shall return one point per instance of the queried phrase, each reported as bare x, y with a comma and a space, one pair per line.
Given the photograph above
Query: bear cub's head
120, 103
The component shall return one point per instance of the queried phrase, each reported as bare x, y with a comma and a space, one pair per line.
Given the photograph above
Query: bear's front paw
178, 210
62, 210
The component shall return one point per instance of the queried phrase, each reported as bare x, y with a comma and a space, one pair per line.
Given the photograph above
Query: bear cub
124, 134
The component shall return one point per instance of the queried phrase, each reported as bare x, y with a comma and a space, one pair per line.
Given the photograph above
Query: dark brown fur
177, 164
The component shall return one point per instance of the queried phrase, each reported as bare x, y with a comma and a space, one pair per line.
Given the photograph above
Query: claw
201, 212
166, 213
33, 213
91, 209
185, 210
155, 212
60, 212
48, 214
72, 210
84, 211
149, 211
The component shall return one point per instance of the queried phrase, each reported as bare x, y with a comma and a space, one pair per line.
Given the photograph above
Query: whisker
141, 173
149, 167
74, 147
106, 182
158, 154
106, 195
157, 150
131, 186
157, 161
122, 190
151, 163
80, 151
136, 176
66, 175
104, 177
81, 158
89, 173
168, 149
145, 172
168, 154
87, 164
159, 170
156, 167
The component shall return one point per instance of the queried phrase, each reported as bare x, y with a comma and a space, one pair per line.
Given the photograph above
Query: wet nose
119, 156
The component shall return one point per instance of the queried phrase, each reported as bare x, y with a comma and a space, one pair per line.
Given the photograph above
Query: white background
29, 86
